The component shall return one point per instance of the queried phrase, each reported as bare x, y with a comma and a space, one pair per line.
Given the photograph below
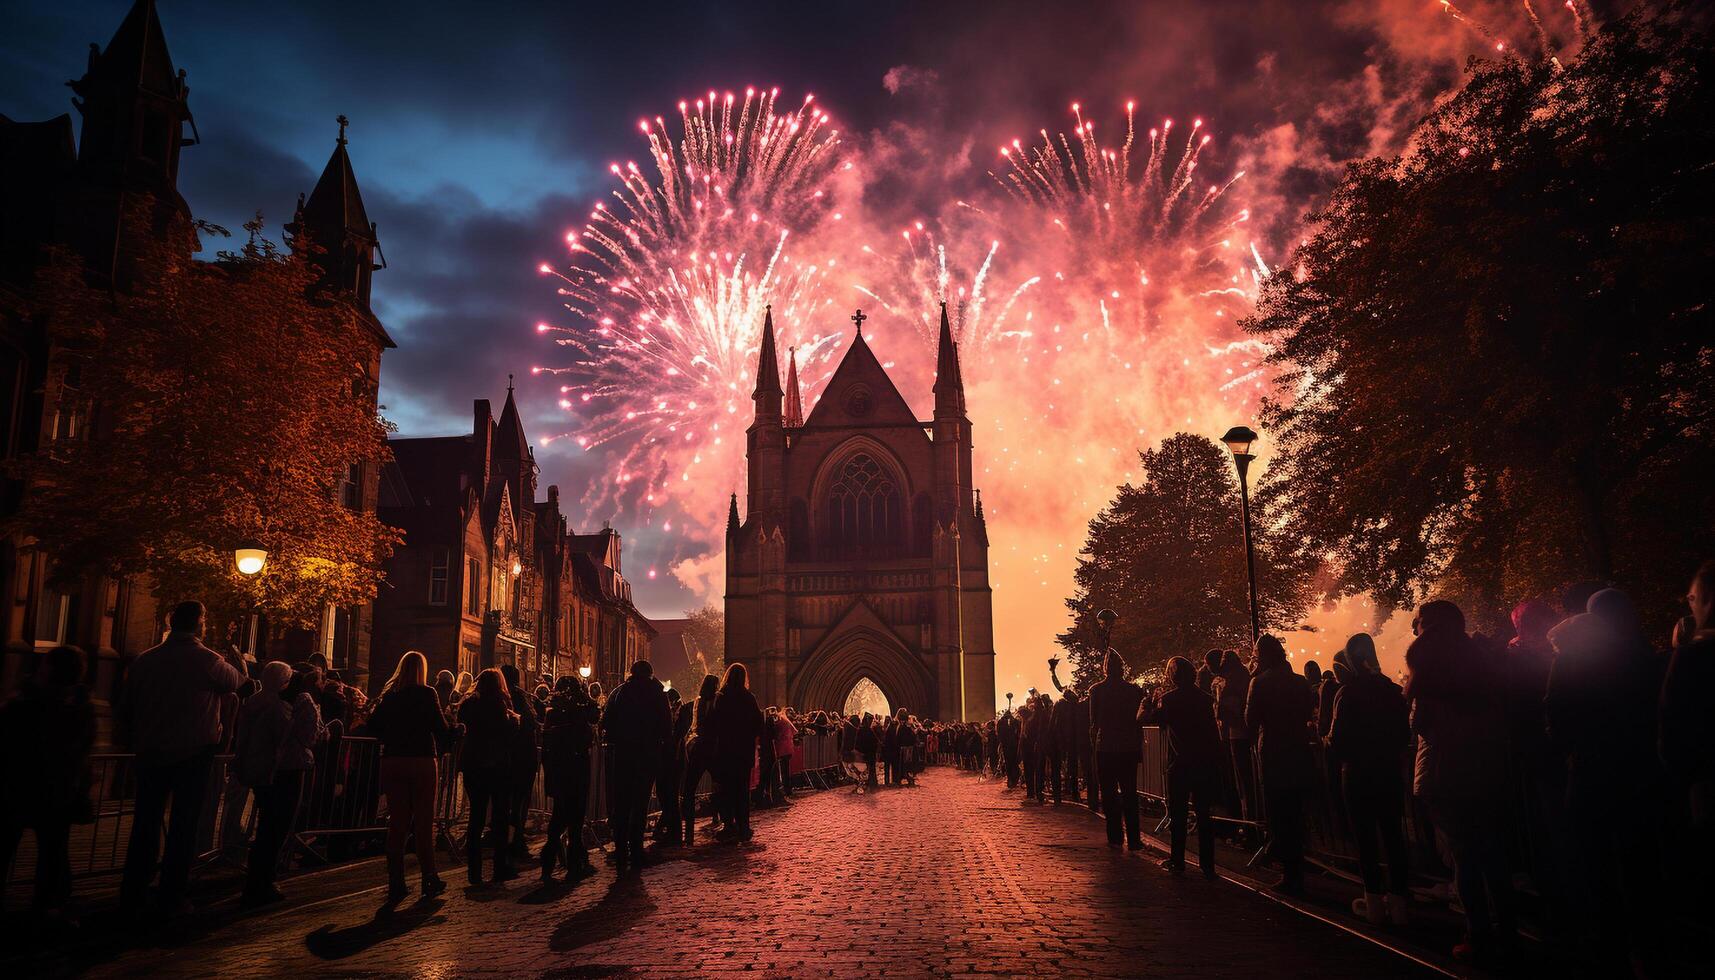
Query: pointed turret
794, 401
134, 105
732, 515
949, 385
513, 460
333, 219
767, 369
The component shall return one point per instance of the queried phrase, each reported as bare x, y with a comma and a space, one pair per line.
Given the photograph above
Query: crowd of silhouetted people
1573, 758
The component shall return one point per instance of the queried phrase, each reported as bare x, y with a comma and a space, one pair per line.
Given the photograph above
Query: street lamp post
1239, 439
250, 557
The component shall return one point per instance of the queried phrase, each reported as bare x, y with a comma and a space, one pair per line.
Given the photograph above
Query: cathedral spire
794, 401
949, 385
334, 220
732, 515
767, 392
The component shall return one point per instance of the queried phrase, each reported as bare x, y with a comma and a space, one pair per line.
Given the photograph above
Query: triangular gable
858, 616
860, 393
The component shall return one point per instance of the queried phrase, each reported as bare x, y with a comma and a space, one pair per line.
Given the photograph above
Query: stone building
487, 575
57, 190
862, 553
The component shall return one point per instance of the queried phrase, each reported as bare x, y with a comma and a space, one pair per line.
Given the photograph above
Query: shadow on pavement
626, 903
328, 943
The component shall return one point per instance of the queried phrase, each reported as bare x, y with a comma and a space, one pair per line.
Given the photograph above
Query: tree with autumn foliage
1168, 557
227, 401
1499, 348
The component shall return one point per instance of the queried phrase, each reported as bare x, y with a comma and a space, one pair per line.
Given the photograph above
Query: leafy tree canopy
227, 402
1168, 557
1498, 348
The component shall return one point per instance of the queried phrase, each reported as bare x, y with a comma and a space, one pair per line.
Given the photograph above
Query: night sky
480, 133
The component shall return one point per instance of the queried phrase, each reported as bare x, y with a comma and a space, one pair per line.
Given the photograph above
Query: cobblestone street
952, 878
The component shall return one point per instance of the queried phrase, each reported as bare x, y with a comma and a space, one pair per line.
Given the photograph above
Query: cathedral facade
862, 552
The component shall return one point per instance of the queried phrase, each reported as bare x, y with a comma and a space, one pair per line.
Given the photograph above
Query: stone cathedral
862, 552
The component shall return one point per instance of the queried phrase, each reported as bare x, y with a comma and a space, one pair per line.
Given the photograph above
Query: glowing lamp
516, 568
584, 672
1239, 439
250, 556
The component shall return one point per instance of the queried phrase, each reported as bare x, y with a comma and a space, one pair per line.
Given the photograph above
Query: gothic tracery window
864, 509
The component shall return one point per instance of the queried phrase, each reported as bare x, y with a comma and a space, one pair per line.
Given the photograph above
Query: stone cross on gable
343, 122
858, 318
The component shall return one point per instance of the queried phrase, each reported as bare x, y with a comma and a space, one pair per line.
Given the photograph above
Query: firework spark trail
668, 284
915, 280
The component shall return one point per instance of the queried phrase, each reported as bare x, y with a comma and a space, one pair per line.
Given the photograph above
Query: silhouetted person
1119, 747
262, 724
637, 725
521, 774
697, 739
1541, 765
1459, 774
1006, 729
1063, 752
411, 725
869, 749
1368, 734
1187, 719
1687, 739
1602, 703
1231, 688
737, 725
669, 829
48, 730
277, 802
1207, 671
174, 696
490, 731
568, 734
1279, 710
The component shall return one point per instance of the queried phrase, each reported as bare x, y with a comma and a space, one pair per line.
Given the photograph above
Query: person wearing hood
1187, 719
1367, 738
1458, 772
696, 741
1279, 710
637, 724
736, 723
568, 733
1118, 739
48, 730
1601, 708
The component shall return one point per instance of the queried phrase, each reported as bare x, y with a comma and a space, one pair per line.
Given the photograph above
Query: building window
473, 587
351, 487
863, 509
438, 569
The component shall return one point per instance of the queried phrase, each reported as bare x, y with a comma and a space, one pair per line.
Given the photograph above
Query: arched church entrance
862, 658
866, 697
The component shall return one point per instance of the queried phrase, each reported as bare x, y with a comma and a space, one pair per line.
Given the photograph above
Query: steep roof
509, 439
335, 206
767, 362
949, 385
137, 55
860, 393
